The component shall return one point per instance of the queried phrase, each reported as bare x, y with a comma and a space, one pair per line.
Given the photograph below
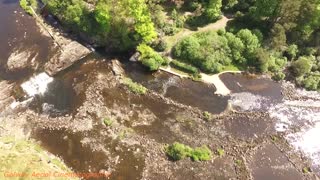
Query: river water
64, 94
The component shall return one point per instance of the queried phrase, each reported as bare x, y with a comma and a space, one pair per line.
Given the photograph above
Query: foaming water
300, 121
246, 101
37, 85
173, 80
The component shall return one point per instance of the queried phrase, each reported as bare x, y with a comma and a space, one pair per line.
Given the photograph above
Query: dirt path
222, 23
216, 81
172, 40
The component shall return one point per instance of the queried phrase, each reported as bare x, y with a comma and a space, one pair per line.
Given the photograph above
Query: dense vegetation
134, 87
279, 37
178, 151
27, 4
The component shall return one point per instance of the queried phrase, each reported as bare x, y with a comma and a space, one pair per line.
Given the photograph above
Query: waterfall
37, 85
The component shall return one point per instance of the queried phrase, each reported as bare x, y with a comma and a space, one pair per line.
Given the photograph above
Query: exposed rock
22, 59
71, 52
5, 94
117, 68
135, 57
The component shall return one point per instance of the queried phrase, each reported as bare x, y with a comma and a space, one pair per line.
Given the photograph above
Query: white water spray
37, 85
303, 116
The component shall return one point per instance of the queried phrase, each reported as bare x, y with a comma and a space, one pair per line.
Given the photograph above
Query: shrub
206, 115
178, 151
211, 51
161, 45
220, 152
301, 66
292, 51
278, 76
107, 122
201, 154
26, 4
149, 57
184, 67
312, 83
169, 29
134, 87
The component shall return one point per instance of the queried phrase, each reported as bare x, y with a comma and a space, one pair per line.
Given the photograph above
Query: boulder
117, 68
21, 59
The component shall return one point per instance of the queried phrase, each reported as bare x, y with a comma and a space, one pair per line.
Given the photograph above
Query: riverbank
221, 89
132, 145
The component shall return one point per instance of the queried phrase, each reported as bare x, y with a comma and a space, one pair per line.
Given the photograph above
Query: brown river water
65, 95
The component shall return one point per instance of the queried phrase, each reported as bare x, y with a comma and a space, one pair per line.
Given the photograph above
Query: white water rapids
37, 84
299, 120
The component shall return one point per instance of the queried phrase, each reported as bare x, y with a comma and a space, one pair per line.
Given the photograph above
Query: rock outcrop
70, 52
6, 97
21, 59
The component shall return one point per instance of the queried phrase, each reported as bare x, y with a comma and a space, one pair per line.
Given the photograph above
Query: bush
278, 76
211, 51
107, 122
149, 57
184, 67
134, 87
161, 45
201, 154
301, 66
312, 83
169, 29
220, 152
26, 4
178, 151
206, 115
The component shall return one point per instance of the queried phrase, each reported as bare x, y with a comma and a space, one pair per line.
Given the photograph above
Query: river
70, 108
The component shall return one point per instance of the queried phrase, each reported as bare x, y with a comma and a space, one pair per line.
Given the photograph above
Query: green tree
102, 16
301, 66
143, 26
213, 9
292, 51
251, 43
279, 38
237, 48
149, 57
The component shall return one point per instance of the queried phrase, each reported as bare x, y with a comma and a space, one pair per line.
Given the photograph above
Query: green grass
206, 115
24, 156
178, 151
184, 67
231, 67
108, 121
124, 133
220, 152
26, 4
134, 87
238, 162
306, 170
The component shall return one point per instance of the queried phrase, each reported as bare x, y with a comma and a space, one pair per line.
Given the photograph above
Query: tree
102, 16
279, 38
292, 51
237, 47
149, 57
143, 25
213, 9
301, 66
312, 83
267, 9
250, 41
